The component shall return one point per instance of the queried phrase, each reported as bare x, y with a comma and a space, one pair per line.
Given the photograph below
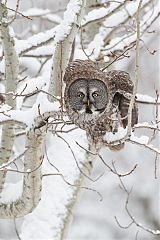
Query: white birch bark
11, 75
32, 178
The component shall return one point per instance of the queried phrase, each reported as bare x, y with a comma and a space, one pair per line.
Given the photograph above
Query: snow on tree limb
46, 14
141, 98
63, 44
107, 39
33, 155
84, 173
127, 133
32, 179
35, 41
102, 13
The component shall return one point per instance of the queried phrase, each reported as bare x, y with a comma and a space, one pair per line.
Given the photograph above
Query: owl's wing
121, 89
122, 102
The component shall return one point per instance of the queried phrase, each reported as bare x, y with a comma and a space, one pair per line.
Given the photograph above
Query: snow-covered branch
108, 41
63, 44
32, 178
35, 41
85, 171
98, 15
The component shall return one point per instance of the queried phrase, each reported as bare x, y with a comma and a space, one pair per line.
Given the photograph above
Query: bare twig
133, 220
154, 232
61, 175
149, 147
111, 169
16, 230
120, 225
3, 166
155, 165
137, 71
116, 9
83, 173
16, 11
120, 55
29, 18
73, 185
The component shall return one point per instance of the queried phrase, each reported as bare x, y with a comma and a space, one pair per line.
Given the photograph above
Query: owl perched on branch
97, 101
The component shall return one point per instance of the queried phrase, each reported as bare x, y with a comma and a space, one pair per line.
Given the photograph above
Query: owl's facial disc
88, 96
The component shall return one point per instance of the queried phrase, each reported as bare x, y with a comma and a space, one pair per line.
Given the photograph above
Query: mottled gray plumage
97, 101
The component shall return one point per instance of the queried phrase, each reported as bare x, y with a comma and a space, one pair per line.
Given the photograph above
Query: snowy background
93, 219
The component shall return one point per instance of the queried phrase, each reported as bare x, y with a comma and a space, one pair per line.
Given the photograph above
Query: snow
31, 85
141, 139
36, 12
70, 16
43, 13
111, 23
146, 98
2, 65
14, 195
35, 40
28, 117
146, 125
43, 50
56, 193
53, 18
95, 14
120, 134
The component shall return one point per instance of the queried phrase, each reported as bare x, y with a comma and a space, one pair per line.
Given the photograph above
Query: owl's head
86, 91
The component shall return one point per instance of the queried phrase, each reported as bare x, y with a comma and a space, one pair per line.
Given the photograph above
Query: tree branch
11, 75
32, 179
64, 39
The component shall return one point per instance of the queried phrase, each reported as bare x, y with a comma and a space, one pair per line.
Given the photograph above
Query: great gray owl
97, 101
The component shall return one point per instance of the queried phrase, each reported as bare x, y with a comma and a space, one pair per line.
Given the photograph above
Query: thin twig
61, 175
150, 147
111, 169
73, 185
16, 230
120, 55
4, 165
16, 11
29, 18
75, 159
152, 231
137, 70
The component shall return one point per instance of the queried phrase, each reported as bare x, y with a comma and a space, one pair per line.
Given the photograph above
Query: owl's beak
88, 103
88, 107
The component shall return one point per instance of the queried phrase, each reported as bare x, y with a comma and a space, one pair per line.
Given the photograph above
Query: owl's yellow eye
81, 95
95, 94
